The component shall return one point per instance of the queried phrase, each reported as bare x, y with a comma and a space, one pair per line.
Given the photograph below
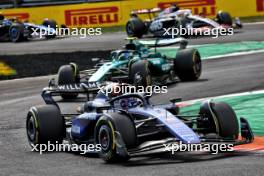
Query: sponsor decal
91, 16
5, 70
260, 5
89, 85
19, 16
206, 7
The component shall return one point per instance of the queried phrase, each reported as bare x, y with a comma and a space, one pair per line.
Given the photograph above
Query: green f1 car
138, 65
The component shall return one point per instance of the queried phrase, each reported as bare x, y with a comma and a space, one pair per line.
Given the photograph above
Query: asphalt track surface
220, 76
109, 41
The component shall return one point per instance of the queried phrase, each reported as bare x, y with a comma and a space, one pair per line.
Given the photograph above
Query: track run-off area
237, 79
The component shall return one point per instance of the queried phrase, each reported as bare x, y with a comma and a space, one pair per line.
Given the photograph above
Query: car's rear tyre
135, 27
45, 124
68, 75
220, 119
16, 32
224, 18
105, 130
188, 64
139, 73
52, 24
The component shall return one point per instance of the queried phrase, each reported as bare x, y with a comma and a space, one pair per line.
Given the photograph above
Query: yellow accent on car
113, 134
215, 119
36, 124
75, 68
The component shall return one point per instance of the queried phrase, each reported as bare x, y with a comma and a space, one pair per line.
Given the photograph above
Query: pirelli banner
115, 13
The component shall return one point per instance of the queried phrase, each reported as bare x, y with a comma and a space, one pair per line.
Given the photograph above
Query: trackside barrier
115, 13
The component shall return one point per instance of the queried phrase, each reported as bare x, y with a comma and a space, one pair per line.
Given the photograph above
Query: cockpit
121, 55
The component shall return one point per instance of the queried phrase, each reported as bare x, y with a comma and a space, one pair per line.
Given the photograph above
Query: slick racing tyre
68, 75
219, 118
45, 124
115, 133
51, 23
139, 73
135, 27
188, 64
224, 18
16, 32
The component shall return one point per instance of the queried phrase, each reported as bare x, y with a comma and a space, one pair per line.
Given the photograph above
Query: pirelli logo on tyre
92, 16
207, 7
19, 16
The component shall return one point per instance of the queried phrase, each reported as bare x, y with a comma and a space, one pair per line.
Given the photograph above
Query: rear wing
146, 11
90, 89
164, 42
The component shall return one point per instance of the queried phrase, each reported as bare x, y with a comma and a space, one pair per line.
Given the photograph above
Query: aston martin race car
173, 17
16, 31
128, 125
138, 65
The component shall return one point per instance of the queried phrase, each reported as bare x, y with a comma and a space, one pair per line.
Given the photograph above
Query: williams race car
173, 17
138, 65
16, 31
127, 125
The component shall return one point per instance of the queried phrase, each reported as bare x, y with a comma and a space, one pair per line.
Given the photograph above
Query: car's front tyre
219, 118
106, 131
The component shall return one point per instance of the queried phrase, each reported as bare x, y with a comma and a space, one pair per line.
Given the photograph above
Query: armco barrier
103, 14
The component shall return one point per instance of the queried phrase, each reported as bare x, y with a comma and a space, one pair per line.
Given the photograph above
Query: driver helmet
124, 56
174, 7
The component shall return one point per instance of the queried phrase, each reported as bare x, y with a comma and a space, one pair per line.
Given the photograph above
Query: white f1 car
172, 17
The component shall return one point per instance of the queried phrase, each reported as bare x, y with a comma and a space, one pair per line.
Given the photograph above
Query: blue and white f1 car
161, 20
16, 31
127, 125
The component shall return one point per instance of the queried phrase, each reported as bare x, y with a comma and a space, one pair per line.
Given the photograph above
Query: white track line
223, 96
237, 54
254, 23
